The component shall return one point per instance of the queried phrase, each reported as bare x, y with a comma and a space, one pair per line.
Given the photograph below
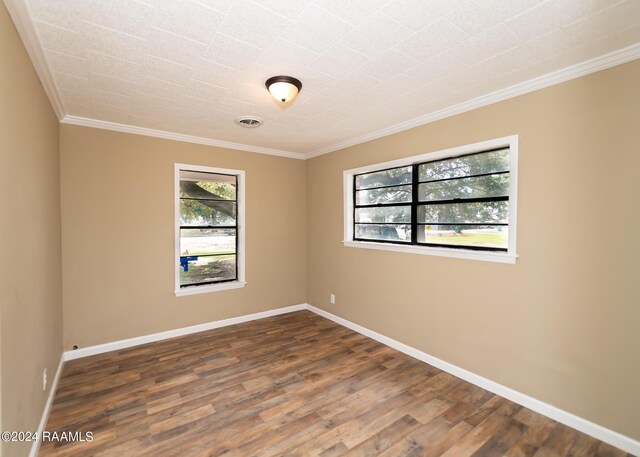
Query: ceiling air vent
249, 122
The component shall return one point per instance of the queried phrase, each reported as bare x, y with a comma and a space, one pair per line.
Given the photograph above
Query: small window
209, 229
446, 203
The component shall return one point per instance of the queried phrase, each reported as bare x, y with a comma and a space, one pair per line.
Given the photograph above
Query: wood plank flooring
296, 385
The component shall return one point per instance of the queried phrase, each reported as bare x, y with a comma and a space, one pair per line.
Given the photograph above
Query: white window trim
502, 257
241, 281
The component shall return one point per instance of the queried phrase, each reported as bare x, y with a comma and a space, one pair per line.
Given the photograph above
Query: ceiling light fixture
283, 88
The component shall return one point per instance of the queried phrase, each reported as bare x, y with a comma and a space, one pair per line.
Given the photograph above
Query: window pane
211, 186
476, 164
470, 213
207, 212
392, 177
194, 242
489, 236
480, 186
384, 214
208, 269
391, 232
400, 194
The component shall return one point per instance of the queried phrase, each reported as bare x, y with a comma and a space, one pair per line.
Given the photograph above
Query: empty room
320, 228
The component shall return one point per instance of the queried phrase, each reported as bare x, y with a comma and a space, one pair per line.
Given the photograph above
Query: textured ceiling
193, 66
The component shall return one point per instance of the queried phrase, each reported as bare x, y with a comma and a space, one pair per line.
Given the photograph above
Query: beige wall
562, 323
118, 235
30, 284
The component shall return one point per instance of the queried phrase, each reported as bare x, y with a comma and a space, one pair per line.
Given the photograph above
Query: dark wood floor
297, 385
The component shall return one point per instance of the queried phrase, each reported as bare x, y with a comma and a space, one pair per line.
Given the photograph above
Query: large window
459, 203
209, 229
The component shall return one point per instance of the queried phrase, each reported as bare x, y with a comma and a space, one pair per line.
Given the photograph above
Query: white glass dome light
283, 88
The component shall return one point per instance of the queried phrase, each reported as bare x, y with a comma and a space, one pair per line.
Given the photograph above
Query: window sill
212, 288
487, 256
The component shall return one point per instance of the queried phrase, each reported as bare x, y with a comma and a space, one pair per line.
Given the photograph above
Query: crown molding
21, 18
125, 128
582, 69
19, 13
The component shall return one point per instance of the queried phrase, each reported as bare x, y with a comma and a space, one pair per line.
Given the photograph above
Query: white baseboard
137, 341
597, 431
616, 439
47, 409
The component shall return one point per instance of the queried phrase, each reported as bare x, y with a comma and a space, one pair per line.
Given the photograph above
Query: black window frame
415, 203
234, 227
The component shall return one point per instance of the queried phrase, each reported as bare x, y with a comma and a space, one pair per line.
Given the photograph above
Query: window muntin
201, 241
208, 231
475, 164
493, 185
399, 233
490, 236
382, 205
198, 213
489, 212
383, 214
209, 270
380, 195
384, 178
457, 202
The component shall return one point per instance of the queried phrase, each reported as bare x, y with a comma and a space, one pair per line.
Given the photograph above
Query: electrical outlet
332, 299
44, 380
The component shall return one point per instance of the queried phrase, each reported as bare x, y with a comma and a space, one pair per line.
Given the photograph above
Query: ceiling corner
19, 12
144, 131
